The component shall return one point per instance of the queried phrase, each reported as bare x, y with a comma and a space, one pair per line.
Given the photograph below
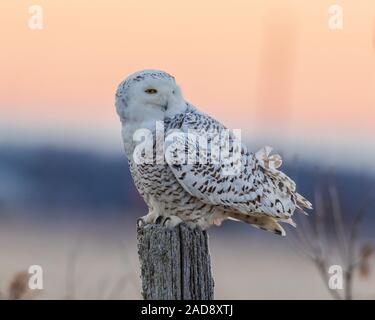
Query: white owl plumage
199, 193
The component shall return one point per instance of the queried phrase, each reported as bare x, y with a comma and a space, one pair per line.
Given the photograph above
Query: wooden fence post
175, 263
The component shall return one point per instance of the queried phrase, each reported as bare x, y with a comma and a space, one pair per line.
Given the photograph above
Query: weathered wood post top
175, 263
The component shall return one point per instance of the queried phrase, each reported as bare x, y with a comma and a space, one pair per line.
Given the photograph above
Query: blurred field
98, 260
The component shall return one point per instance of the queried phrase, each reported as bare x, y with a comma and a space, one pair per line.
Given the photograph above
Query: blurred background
274, 69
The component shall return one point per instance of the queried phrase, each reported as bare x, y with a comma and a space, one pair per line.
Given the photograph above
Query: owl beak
164, 102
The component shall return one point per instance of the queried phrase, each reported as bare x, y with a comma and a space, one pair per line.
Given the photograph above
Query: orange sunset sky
272, 68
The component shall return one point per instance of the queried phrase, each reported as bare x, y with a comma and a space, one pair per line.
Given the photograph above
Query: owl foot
147, 219
171, 221
140, 222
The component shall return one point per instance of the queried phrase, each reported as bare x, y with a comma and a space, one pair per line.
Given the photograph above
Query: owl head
148, 95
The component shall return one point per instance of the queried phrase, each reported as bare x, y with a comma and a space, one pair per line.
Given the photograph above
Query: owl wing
248, 183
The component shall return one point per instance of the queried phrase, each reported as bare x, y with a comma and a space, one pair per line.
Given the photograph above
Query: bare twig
352, 261
338, 220
315, 238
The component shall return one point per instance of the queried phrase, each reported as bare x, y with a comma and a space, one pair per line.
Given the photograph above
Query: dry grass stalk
324, 237
18, 287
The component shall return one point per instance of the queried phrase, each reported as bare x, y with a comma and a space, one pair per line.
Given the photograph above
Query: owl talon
140, 222
159, 219
166, 221
147, 219
172, 221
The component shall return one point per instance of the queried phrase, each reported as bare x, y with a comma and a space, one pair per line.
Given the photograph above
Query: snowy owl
200, 193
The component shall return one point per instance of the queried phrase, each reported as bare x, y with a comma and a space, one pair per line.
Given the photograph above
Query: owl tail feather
260, 222
303, 203
270, 164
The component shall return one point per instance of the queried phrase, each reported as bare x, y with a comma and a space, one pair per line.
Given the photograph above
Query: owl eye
151, 91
